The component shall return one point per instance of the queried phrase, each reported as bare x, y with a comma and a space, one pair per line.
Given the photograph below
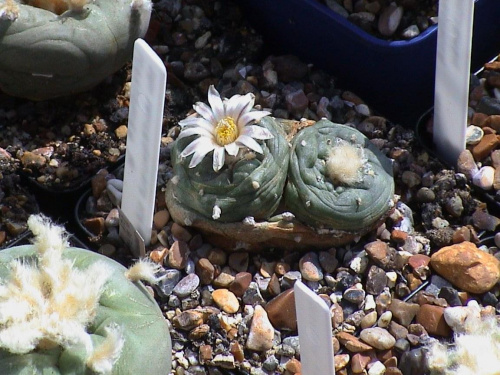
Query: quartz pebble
378, 338
484, 178
261, 334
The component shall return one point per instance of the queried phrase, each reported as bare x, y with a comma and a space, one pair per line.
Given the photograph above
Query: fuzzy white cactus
345, 163
476, 346
53, 297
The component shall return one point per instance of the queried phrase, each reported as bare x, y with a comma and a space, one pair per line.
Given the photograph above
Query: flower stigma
226, 131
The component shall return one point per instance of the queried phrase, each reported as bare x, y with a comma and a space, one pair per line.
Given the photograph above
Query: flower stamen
226, 131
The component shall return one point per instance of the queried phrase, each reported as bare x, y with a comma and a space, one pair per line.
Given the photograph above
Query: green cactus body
43, 55
319, 201
147, 346
249, 187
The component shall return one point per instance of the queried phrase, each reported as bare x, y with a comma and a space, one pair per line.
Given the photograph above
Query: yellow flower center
226, 131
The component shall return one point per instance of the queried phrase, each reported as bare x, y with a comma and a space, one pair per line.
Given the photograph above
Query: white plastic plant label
315, 332
134, 239
147, 99
451, 99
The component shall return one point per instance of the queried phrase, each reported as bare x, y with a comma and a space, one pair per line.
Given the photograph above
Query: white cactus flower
225, 125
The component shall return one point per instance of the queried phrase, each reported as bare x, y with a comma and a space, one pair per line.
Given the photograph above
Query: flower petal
251, 117
197, 143
192, 121
232, 148
186, 132
250, 143
257, 132
234, 104
219, 157
240, 105
206, 112
216, 103
200, 153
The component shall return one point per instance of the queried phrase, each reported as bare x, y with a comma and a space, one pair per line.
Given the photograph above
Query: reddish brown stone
237, 351
274, 288
352, 343
178, 255
281, 311
293, 365
95, 225
376, 250
492, 65
359, 361
432, 319
493, 122
461, 234
205, 270
240, 283
399, 236
392, 371
403, 312
488, 143
98, 183
419, 260
180, 233
478, 118
205, 353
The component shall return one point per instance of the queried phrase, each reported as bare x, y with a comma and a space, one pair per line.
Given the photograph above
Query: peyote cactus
50, 48
336, 184
71, 311
337, 178
249, 185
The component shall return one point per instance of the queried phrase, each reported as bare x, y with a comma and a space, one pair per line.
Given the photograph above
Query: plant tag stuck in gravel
315, 332
133, 238
454, 43
147, 98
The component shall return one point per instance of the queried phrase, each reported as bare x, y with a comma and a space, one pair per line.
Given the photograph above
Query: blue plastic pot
394, 77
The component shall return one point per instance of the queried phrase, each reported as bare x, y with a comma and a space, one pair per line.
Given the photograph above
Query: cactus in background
248, 185
71, 311
50, 48
337, 178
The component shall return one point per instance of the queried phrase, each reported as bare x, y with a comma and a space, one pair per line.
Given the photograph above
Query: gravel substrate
388, 291
387, 19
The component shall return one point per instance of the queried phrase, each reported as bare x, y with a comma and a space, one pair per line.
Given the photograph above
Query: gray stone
488, 105
413, 362
169, 279
289, 279
252, 295
187, 285
376, 280
354, 294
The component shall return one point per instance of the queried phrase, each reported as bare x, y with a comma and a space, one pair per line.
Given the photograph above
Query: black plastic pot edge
78, 209
55, 201
83, 233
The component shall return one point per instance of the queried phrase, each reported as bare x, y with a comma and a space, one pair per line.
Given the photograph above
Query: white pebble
473, 135
369, 303
377, 368
484, 178
216, 212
